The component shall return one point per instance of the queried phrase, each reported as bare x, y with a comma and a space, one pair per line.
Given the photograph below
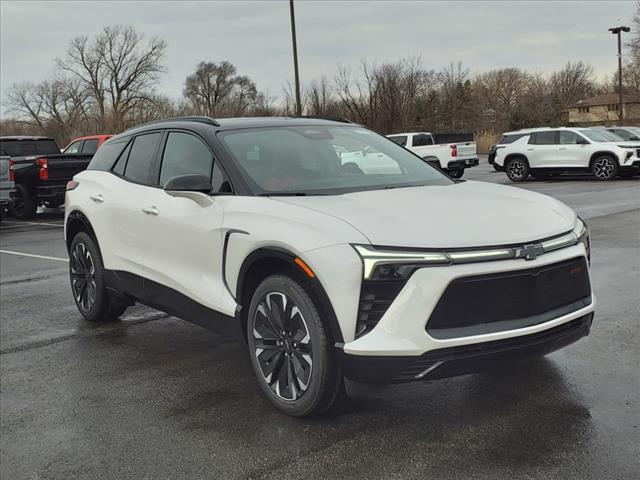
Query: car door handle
151, 210
563, 148
97, 198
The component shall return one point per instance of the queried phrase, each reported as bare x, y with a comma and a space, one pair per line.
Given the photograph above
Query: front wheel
290, 348
604, 168
86, 274
517, 169
456, 173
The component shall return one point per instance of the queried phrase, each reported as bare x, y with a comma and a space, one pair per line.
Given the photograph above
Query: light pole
618, 31
295, 59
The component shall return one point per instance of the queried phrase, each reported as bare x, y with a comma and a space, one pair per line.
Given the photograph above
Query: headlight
582, 232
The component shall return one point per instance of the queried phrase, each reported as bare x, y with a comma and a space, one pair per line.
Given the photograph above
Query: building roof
605, 99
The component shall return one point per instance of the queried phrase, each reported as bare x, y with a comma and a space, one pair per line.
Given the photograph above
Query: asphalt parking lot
155, 397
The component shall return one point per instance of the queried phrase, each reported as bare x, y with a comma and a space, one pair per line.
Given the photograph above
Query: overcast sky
255, 36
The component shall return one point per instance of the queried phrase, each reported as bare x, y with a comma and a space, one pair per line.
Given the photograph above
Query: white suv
542, 152
330, 274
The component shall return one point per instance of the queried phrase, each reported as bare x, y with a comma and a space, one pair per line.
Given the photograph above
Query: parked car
506, 139
451, 153
254, 225
7, 184
626, 133
88, 145
543, 152
40, 171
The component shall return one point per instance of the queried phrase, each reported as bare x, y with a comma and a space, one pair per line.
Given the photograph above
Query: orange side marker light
304, 267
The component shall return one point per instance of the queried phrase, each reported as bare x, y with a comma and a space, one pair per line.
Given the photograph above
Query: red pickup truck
88, 145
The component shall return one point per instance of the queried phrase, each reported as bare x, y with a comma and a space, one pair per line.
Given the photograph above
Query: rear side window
507, 139
185, 154
23, 148
140, 162
107, 156
400, 140
543, 138
90, 146
422, 140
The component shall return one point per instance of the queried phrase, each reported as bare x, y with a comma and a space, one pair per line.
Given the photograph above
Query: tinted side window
45, 147
106, 157
422, 140
90, 146
507, 139
400, 140
140, 163
185, 154
568, 138
543, 138
74, 147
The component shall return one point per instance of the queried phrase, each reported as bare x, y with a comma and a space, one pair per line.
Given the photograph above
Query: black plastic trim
225, 247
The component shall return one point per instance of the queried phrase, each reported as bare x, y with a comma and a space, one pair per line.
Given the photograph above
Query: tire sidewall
525, 165
29, 207
324, 364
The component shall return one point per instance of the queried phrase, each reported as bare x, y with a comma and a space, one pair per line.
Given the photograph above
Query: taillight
454, 150
43, 172
12, 172
72, 185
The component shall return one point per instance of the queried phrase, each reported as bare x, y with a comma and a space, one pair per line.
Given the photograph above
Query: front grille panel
375, 299
487, 303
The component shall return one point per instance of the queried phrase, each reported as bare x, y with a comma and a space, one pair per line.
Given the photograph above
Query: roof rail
333, 118
199, 119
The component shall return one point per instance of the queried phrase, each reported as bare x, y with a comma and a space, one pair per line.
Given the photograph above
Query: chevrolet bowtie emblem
529, 252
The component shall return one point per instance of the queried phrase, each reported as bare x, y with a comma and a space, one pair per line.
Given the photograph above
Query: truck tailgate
466, 149
65, 167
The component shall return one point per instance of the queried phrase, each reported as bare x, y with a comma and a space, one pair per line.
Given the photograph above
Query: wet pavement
155, 397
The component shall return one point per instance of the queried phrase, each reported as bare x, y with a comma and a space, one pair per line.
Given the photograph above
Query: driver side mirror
189, 183
582, 141
634, 138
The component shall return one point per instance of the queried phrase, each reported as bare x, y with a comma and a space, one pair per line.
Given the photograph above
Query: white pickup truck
451, 153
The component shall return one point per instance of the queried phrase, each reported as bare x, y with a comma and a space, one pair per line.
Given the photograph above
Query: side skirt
168, 300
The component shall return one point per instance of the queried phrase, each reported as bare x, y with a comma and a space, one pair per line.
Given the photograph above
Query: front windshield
325, 159
600, 135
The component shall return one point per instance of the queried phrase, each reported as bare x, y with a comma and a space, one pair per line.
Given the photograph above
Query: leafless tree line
108, 83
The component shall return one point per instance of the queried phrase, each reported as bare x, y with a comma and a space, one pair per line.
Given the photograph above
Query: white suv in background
542, 152
328, 270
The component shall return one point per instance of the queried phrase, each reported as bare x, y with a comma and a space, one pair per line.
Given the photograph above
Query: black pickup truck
40, 172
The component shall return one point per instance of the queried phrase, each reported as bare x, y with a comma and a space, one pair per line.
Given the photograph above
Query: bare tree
572, 83
119, 67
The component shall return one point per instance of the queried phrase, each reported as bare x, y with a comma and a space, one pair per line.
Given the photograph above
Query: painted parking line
32, 255
14, 223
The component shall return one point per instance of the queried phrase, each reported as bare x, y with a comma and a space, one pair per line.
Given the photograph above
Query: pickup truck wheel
86, 274
290, 349
604, 168
517, 169
23, 206
456, 173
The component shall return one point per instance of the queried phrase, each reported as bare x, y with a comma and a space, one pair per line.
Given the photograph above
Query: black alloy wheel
517, 169
604, 168
83, 277
282, 346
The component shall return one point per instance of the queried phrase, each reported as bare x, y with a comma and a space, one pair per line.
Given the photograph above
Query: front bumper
402, 335
633, 166
462, 164
461, 360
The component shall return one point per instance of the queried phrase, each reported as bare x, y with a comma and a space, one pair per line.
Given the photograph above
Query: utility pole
295, 59
618, 31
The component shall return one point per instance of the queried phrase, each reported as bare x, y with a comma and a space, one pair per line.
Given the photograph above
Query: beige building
604, 110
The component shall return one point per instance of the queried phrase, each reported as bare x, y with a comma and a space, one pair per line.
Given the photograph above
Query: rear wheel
291, 352
456, 173
23, 206
86, 274
604, 168
517, 169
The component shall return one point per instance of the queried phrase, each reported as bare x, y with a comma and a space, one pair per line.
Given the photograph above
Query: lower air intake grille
375, 299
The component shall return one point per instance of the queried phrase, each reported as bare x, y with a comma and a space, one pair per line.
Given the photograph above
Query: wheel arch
602, 153
78, 222
267, 261
511, 156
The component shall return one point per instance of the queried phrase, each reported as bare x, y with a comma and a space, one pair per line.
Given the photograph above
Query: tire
456, 173
517, 169
604, 167
86, 275
290, 348
23, 206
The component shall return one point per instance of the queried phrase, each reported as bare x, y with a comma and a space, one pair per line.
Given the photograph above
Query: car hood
624, 143
466, 214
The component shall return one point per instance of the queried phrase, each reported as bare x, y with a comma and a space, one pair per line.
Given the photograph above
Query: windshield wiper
288, 194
